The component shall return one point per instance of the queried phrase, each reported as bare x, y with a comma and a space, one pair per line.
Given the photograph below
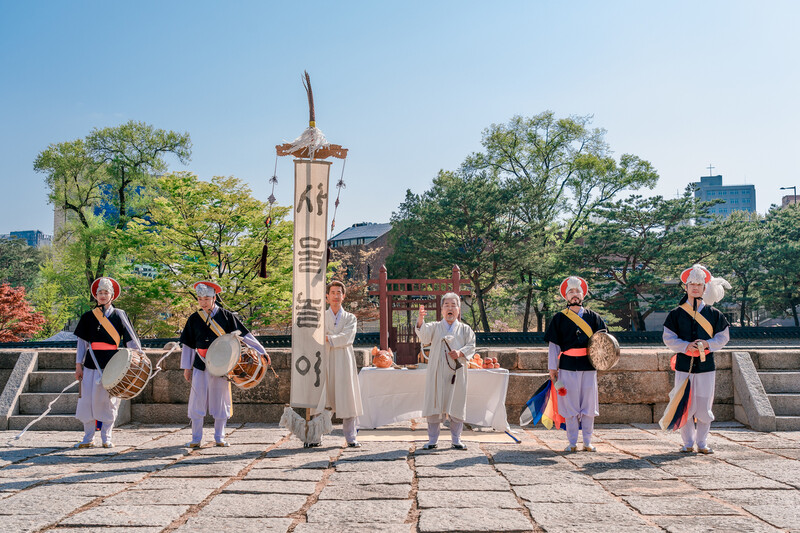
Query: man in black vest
100, 332
209, 393
695, 330
568, 361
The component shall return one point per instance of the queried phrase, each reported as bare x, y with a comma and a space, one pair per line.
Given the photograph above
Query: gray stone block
639, 387
785, 404
723, 386
358, 511
787, 423
780, 381
779, 359
637, 360
532, 360
205, 524
616, 413
24, 366
50, 381
63, 360
473, 519
750, 391
8, 359
48, 423
522, 386
31, 403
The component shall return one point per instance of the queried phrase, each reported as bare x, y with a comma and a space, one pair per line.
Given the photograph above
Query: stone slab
127, 515
357, 528
366, 492
203, 524
604, 516
253, 505
712, 524
678, 505
777, 515
563, 493
667, 487
300, 474
186, 495
371, 478
473, 519
361, 511
456, 471
467, 484
428, 499
270, 486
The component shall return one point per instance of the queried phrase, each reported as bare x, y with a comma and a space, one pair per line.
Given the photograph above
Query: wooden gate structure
405, 296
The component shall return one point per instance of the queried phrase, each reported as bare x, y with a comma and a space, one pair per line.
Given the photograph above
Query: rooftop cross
710, 169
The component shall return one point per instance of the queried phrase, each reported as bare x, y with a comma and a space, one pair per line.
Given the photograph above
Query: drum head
223, 354
603, 350
116, 368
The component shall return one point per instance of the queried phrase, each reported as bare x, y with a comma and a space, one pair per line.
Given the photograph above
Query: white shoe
222, 443
89, 444
571, 449
108, 444
589, 448
193, 445
707, 450
687, 449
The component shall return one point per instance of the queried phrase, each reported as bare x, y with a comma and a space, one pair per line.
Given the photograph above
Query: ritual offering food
383, 359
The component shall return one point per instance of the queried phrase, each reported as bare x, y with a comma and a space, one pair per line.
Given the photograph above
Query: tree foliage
102, 181
18, 321
19, 263
464, 219
199, 230
781, 258
560, 172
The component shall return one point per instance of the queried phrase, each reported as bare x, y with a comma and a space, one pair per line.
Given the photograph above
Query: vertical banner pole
308, 294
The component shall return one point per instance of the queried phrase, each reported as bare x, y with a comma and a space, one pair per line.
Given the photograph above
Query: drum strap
700, 319
98, 314
211, 323
580, 322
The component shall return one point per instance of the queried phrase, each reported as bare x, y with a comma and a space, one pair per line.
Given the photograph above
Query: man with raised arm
452, 346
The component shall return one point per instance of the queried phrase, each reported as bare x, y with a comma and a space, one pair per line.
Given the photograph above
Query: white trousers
95, 403
702, 394
434, 421
210, 394
581, 397
349, 429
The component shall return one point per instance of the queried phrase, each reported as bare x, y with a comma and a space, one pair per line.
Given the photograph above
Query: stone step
785, 404
35, 403
779, 360
49, 423
50, 381
787, 423
777, 381
57, 360
8, 359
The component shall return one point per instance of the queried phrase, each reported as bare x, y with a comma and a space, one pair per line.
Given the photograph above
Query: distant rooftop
361, 233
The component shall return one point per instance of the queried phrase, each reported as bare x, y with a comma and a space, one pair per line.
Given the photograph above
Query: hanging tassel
262, 270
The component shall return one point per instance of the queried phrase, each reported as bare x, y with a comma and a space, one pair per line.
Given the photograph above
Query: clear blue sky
408, 87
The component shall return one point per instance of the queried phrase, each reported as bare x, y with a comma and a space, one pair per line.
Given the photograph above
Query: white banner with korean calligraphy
310, 261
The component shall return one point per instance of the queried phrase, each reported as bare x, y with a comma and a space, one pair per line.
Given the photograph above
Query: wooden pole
385, 315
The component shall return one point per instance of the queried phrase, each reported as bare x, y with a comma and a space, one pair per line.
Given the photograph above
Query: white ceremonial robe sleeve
346, 336
553, 351
673, 342
187, 357
718, 341
425, 332
80, 354
253, 343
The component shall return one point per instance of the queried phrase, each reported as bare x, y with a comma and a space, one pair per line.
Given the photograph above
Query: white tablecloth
391, 395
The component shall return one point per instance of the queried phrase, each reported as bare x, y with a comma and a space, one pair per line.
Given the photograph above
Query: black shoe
313, 445
354, 444
459, 446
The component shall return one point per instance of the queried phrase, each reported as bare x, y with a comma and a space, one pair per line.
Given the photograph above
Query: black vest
568, 335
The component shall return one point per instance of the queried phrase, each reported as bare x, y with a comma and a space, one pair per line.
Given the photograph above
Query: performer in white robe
209, 394
100, 332
694, 339
452, 346
341, 392
568, 336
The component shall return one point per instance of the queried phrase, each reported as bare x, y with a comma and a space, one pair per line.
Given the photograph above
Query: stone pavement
267, 482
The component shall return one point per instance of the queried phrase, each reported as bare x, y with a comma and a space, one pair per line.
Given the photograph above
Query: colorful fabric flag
676, 413
543, 407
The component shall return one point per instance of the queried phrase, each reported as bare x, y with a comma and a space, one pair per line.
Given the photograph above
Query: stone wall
635, 391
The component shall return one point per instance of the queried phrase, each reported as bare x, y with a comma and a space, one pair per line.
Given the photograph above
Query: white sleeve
187, 357
674, 343
719, 340
80, 354
553, 350
253, 343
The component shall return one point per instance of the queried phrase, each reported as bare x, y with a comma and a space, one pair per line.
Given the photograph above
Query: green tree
198, 230
103, 181
737, 242
464, 219
781, 258
561, 171
633, 247
19, 263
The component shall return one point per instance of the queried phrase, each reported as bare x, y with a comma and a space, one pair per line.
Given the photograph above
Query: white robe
341, 392
442, 396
